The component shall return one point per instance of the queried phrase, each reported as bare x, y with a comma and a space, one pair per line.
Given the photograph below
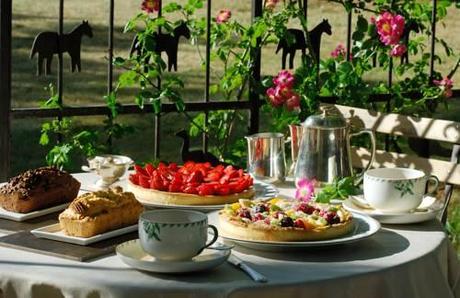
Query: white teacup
174, 235
396, 189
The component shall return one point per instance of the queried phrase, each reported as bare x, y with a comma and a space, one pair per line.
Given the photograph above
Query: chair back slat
400, 125
446, 171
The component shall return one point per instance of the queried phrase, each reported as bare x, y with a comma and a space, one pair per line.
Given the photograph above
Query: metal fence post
208, 72
257, 7
5, 86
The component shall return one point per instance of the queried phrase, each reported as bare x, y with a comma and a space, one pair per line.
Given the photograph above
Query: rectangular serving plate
5, 214
54, 232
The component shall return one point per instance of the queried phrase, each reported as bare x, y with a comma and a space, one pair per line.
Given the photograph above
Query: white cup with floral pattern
396, 189
174, 235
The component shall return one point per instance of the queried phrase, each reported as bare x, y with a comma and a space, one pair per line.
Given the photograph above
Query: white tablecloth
399, 261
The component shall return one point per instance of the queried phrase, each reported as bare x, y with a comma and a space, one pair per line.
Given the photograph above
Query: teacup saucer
133, 255
428, 209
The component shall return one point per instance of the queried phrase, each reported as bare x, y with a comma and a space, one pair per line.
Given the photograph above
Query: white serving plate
428, 210
54, 232
133, 255
262, 191
15, 216
364, 227
34, 214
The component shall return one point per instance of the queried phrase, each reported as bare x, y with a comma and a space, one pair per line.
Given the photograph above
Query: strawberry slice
213, 176
144, 181
224, 179
190, 189
223, 190
229, 169
173, 166
149, 168
195, 177
140, 170
205, 189
134, 178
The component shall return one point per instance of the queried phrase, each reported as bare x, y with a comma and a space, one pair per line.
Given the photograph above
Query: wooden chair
400, 125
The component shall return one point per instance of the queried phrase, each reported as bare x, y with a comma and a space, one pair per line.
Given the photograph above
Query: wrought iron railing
207, 104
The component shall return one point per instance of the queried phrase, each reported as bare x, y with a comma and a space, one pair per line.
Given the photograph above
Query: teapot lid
326, 120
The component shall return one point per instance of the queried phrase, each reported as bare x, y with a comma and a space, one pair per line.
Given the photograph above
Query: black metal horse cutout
168, 43
46, 44
299, 42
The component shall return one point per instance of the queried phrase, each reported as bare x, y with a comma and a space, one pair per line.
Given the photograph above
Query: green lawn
88, 87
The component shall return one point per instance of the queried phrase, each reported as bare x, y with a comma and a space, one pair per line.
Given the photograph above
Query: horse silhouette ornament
168, 43
48, 43
298, 42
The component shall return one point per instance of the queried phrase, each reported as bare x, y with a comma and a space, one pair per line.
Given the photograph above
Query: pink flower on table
398, 50
150, 6
390, 28
446, 84
305, 190
284, 78
223, 16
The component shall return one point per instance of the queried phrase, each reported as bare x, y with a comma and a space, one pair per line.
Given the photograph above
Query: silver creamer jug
324, 152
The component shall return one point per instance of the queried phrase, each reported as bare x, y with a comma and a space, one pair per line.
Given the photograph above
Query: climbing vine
379, 40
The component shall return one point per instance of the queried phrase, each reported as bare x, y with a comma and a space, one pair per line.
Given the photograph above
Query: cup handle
214, 238
436, 184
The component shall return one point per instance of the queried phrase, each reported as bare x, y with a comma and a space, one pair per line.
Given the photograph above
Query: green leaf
119, 61
362, 23
44, 139
156, 106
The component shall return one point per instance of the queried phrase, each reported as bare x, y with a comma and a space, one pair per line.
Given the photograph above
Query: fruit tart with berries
283, 220
191, 184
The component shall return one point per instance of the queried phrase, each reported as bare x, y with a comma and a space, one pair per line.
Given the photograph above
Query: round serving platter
364, 227
262, 191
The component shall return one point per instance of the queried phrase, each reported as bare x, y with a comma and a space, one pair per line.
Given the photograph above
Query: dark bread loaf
38, 189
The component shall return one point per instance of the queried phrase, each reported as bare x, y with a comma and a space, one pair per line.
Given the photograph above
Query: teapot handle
371, 161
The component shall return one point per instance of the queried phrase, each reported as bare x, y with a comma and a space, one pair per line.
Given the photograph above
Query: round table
399, 261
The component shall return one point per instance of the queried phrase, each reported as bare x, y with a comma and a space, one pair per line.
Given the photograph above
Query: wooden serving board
28, 242
11, 226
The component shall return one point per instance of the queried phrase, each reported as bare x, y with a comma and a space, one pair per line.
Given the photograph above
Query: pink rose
223, 16
339, 51
271, 4
274, 98
282, 93
398, 50
284, 78
150, 6
390, 28
293, 102
445, 84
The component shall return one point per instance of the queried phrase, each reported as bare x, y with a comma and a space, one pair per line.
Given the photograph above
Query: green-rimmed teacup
174, 235
396, 189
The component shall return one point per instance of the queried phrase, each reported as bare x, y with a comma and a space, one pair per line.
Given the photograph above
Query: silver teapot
324, 152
